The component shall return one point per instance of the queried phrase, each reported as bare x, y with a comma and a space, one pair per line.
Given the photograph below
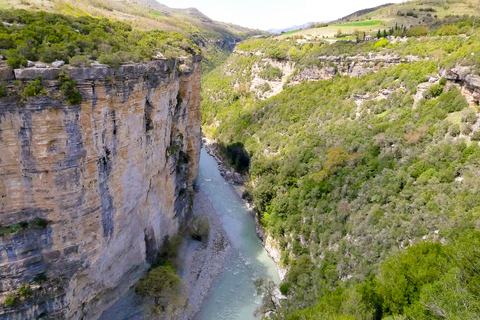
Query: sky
269, 14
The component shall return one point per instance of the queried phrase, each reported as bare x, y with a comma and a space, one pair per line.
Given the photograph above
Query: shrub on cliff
34, 88
10, 300
165, 287
270, 73
69, 89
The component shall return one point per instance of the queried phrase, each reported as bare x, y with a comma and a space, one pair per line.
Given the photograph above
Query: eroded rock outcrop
89, 192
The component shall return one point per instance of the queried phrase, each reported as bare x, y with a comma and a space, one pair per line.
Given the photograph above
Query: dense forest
374, 202
46, 37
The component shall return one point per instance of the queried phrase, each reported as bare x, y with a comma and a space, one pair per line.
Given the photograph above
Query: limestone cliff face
354, 66
111, 176
326, 68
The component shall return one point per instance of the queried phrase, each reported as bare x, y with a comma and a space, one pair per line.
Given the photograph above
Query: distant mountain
292, 28
152, 4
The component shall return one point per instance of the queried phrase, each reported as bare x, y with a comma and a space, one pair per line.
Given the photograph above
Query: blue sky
267, 14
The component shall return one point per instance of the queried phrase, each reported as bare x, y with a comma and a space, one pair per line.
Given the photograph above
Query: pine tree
379, 35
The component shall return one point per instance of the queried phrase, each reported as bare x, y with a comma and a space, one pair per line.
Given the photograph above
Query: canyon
93, 189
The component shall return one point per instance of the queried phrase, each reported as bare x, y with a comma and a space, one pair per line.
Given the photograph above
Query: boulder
233, 177
30, 64
40, 65
456, 74
186, 69
58, 63
6, 74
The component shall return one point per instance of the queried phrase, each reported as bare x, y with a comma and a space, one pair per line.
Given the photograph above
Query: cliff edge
89, 191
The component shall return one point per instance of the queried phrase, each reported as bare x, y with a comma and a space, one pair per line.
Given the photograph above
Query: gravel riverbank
202, 262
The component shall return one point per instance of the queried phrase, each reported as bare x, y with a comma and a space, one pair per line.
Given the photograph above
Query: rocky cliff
88, 192
326, 68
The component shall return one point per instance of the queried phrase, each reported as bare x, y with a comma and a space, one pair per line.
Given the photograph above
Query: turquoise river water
233, 294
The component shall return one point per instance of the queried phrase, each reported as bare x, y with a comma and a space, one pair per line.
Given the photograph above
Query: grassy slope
332, 30
386, 17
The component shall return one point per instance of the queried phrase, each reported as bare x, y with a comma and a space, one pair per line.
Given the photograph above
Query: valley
349, 152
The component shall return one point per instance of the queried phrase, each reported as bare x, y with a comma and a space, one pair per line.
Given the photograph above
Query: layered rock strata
88, 192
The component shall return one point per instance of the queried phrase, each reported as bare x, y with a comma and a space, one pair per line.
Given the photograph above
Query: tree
165, 287
379, 35
402, 276
417, 31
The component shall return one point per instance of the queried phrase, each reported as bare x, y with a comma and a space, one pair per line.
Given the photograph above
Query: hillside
418, 11
216, 39
362, 162
432, 14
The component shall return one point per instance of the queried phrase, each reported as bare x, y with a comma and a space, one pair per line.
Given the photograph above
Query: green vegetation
23, 293
48, 37
359, 195
69, 90
34, 88
37, 223
271, 73
10, 300
162, 284
165, 287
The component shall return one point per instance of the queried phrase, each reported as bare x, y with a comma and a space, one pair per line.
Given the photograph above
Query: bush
381, 44
465, 128
271, 73
476, 135
448, 30
15, 59
25, 290
417, 31
78, 61
111, 59
468, 115
435, 90
34, 88
69, 89
454, 130
10, 300
165, 287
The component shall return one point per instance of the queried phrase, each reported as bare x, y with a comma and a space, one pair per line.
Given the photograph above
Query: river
233, 294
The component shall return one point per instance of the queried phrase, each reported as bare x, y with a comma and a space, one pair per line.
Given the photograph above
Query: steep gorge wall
113, 176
